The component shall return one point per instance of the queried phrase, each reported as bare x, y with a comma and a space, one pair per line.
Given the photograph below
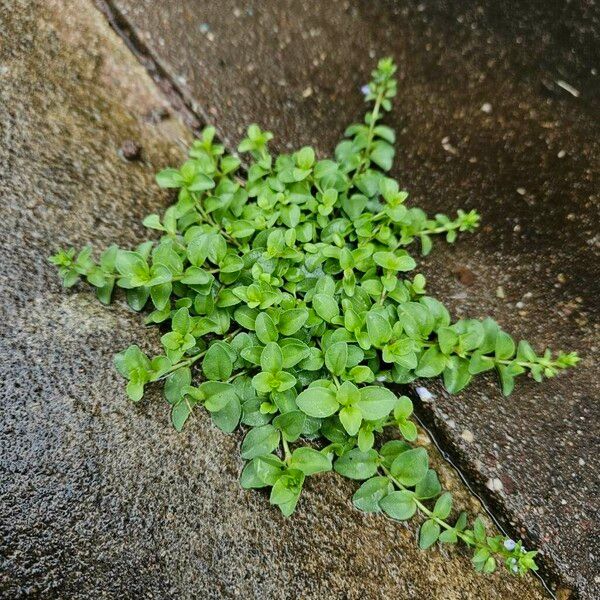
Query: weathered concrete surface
100, 498
487, 121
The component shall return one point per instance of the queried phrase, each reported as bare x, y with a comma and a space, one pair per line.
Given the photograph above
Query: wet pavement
497, 110
101, 498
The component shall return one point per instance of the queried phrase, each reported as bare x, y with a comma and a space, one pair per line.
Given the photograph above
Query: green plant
286, 304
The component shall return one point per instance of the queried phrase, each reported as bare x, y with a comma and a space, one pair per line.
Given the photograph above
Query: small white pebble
581, 462
561, 154
500, 292
521, 191
307, 92
468, 436
494, 484
568, 88
447, 146
423, 439
424, 394
486, 107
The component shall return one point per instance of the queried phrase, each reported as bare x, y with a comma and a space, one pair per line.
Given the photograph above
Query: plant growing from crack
287, 305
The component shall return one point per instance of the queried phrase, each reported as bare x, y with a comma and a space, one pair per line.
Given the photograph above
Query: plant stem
422, 508
236, 375
190, 361
373, 121
212, 222
185, 363
286, 449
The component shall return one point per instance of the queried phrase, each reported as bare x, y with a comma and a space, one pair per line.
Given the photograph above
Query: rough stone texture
497, 110
101, 498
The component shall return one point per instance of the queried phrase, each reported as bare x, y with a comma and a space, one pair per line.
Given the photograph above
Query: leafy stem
374, 117
188, 362
286, 450
430, 514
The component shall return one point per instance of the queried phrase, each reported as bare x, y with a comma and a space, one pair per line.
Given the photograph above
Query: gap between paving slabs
196, 117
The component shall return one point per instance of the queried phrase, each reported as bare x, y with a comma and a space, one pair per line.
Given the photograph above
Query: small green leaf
265, 328
261, 472
310, 461
271, 358
390, 451
286, 491
195, 276
447, 339
399, 505
404, 408
408, 430
228, 418
260, 441
382, 154
395, 261
376, 402
431, 364
291, 424
428, 534
217, 365
411, 466
292, 320
317, 402
378, 328
371, 492
357, 465
429, 486
448, 536
326, 307
505, 346
443, 506
169, 178
336, 357
351, 419
180, 413
456, 374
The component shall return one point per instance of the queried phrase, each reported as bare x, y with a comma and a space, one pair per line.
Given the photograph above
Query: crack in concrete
178, 99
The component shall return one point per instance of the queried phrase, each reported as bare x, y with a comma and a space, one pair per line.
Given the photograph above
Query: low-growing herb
288, 299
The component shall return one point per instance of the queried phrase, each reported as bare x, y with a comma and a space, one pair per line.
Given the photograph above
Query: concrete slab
498, 108
100, 498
